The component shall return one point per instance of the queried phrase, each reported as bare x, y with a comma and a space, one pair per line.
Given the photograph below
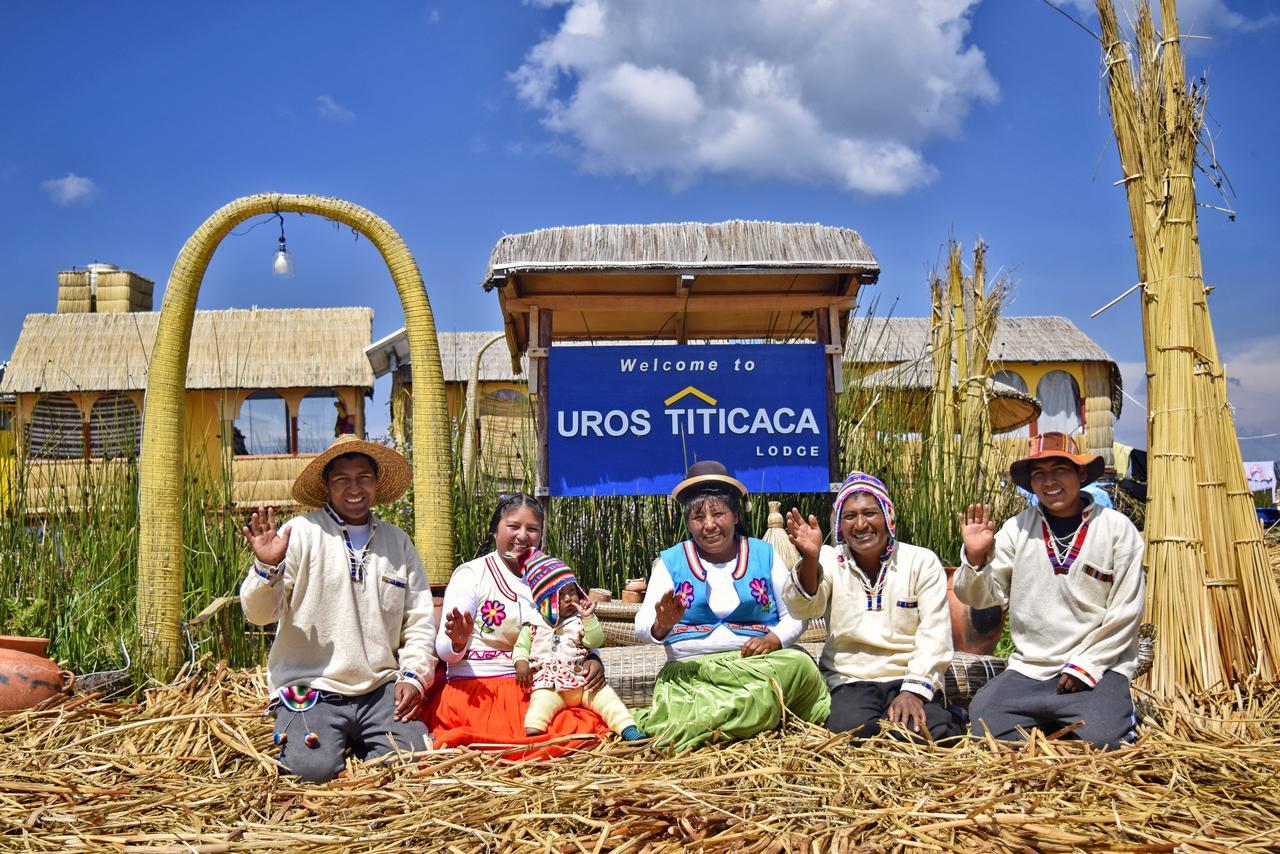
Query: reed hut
1074, 382
8, 448
503, 433
266, 390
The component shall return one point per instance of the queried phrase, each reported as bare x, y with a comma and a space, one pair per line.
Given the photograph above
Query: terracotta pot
27, 677
975, 630
633, 592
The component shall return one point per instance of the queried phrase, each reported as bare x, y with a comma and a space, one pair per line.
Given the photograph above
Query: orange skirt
488, 712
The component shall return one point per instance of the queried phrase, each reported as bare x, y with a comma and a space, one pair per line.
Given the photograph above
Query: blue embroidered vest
757, 610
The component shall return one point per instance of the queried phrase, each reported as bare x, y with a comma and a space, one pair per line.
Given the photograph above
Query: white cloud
70, 188
332, 110
815, 91
1195, 17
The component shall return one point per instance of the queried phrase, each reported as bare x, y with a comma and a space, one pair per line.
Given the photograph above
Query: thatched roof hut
1010, 409
1075, 381
265, 387
457, 350
230, 349
503, 425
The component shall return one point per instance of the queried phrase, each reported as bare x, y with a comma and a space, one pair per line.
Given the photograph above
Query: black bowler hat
706, 476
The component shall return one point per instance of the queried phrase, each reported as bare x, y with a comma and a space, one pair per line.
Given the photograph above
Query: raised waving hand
268, 544
978, 532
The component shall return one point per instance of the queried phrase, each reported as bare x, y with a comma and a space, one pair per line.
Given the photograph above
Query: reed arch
160, 553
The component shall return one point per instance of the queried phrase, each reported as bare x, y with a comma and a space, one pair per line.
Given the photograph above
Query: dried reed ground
189, 770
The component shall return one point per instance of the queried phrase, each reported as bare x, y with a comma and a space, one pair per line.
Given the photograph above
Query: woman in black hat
713, 601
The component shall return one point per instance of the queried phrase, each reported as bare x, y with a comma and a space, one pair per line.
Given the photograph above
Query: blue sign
629, 420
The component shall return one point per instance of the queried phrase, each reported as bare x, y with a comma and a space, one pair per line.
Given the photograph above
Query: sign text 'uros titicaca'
628, 420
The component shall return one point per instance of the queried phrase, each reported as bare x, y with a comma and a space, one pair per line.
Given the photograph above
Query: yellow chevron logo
690, 390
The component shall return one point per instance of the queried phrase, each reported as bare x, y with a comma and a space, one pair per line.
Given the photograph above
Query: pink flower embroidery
492, 613
684, 592
760, 592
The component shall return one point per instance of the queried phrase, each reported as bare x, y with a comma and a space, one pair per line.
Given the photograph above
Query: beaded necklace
1053, 544
874, 592
356, 560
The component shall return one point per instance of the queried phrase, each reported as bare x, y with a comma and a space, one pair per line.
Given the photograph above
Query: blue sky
908, 120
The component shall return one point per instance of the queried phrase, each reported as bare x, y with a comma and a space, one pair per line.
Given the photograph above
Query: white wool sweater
336, 634
908, 638
1084, 622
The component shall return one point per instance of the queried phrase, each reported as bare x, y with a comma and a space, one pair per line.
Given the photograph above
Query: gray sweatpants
365, 723
1012, 700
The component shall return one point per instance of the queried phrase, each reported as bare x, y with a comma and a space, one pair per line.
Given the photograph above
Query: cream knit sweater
907, 638
336, 634
1084, 622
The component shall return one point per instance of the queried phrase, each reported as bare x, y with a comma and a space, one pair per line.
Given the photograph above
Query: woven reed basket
632, 668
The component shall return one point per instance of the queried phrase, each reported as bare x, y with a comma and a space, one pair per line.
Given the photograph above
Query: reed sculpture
160, 554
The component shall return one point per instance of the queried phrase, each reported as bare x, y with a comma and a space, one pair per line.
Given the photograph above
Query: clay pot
27, 677
975, 630
633, 592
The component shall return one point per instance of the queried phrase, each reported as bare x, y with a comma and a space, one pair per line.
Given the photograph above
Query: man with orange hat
355, 631
1071, 575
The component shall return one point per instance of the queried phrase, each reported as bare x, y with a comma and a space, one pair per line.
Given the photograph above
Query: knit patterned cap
546, 577
859, 482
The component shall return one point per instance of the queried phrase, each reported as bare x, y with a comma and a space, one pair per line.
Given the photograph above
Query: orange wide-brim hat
394, 473
1048, 446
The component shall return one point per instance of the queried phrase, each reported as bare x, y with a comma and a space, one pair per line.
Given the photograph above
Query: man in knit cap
1070, 573
885, 603
355, 629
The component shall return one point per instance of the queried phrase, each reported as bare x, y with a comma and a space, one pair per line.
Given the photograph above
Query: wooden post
822, 323
540, 338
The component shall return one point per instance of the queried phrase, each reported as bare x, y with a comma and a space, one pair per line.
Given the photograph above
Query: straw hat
1048, 446
393, 472
704, 476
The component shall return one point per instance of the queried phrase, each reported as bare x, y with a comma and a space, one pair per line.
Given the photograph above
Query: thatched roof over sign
683, 246
457, 349
230, 349
893, 340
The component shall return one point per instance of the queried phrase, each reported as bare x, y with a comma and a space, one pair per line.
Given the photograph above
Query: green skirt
724, 697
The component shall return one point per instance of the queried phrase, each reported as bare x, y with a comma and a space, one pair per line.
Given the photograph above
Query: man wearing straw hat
1070, 573
355, 628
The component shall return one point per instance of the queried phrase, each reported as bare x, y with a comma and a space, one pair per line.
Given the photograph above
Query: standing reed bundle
1211, 596
927, 430
959, 429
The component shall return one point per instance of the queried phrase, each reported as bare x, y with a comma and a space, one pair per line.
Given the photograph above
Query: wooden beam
822, 321
684, 284
539, 367
670, 303
835, 351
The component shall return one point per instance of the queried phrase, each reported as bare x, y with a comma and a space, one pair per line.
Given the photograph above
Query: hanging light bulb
282, 266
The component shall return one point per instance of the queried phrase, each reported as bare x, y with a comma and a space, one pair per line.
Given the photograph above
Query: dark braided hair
508, 504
